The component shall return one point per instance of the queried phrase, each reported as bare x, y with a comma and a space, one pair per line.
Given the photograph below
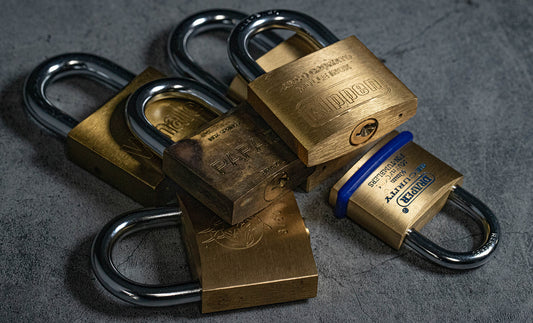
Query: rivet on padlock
233, 165
271, 251
102, 143
285, 52
397, 187
315, 102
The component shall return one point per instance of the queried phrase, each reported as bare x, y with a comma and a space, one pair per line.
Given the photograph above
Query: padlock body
287, 51
404, 192
236, 165
264, 260
318, 103
104, 145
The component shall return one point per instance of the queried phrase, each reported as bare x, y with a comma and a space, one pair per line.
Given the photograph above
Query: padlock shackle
177, 88
219, 19
42, 111
461, 260
124, 288
239, 39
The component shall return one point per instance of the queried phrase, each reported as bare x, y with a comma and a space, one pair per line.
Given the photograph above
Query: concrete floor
469, 62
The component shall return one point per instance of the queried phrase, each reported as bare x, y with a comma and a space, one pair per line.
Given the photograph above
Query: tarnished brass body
286, 52
315, 102
264, 260
104, 145
405, 192
236, 165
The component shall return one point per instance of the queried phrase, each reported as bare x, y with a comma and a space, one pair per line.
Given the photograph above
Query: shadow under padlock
284, 53
397, 187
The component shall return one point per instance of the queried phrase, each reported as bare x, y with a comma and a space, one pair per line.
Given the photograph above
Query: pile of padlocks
305, 109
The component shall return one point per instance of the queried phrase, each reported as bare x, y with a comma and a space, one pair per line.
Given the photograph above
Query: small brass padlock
328, 103
286, 52
102, 143
235, 165
397, 187
265, 260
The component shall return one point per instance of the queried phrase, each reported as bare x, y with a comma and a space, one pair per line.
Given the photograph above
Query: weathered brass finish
315, 102
286, 52
104, 145
405, 192
266, 259
236, 165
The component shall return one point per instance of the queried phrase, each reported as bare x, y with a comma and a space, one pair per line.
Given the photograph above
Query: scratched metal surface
469, 62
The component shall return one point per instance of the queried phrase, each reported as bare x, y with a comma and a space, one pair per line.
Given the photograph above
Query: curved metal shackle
39, 107
304, 25
177, 46
124, 288
461, 260
177, 88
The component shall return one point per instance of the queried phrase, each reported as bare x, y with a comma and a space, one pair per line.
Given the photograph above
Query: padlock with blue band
409, 188
368, 168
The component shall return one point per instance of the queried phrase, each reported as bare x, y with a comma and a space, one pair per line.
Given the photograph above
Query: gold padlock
286, 52
265, 260
102, 143
328, 103
235, 165
397, 187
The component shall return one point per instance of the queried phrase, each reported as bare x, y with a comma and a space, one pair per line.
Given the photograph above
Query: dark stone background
469, 62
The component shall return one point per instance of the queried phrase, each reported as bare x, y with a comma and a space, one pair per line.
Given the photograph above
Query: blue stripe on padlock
370, 166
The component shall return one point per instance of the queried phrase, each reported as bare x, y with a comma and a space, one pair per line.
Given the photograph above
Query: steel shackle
124, 288
46, 114
177, 88
461, 260
307, 27
220, 19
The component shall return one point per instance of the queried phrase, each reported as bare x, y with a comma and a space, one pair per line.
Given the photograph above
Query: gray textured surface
471, 65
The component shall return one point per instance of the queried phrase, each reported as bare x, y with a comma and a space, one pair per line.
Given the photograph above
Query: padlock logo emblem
415, 189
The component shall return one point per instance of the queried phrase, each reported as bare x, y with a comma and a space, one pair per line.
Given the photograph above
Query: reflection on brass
315, 102
263, 260
236, 165
406, 191
104, 146
286, 52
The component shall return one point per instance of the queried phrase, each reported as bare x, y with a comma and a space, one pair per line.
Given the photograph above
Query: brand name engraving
340, 98
178, 120
415, 189
243, 152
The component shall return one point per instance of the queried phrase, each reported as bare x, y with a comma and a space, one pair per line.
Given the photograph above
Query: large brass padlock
102, 143
286, 52
328, 103
397, 187
235, 165
265, 260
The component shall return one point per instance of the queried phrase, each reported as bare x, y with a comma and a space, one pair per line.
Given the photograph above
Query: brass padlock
328, 103
397, 187
287, 51
235, 165
102, 143
265, 260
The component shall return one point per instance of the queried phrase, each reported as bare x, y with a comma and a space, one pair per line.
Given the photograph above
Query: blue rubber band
370, 166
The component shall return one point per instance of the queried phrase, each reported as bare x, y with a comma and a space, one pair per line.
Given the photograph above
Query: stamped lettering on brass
245, 234
340, 98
